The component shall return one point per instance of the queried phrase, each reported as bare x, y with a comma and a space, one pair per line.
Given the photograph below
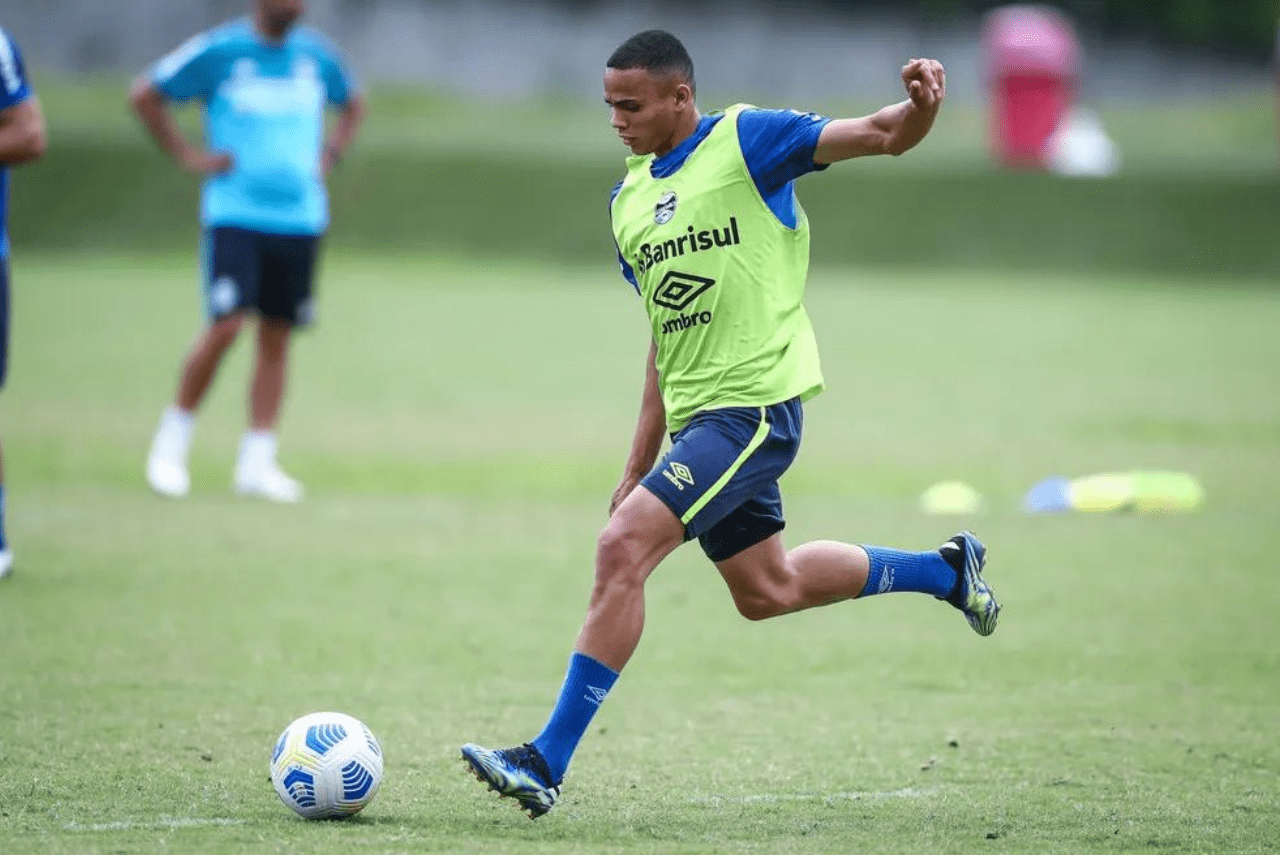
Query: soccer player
265, 83
22, 138
710, 234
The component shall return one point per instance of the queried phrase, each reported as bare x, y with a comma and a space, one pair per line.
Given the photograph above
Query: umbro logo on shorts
678, 474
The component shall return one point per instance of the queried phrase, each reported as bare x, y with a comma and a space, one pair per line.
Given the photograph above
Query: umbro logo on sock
596, 697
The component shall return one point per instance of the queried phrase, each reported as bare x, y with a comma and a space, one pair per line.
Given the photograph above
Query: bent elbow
38, 143
35, 142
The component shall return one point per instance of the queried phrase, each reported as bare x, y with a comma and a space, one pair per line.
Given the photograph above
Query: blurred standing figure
265, 84
712, 238
22, 138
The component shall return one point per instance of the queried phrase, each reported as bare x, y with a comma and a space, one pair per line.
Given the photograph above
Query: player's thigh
641, 531
755, 571
288, 281
722, 461
4, 319
233, 259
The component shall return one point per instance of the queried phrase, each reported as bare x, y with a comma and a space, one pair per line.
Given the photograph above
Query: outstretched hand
926, 82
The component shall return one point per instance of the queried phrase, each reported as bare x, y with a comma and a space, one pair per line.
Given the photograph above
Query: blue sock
1, 517
897, 570
585, 685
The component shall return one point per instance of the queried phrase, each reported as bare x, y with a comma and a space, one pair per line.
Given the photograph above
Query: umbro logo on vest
677, 290
666, 208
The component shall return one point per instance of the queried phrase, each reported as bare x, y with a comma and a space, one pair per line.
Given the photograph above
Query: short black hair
654, 50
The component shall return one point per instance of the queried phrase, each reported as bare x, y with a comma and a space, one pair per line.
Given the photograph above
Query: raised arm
22, 132
893, 129
650, 427
152, 109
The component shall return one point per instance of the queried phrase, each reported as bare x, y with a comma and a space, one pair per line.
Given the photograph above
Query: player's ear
684, 95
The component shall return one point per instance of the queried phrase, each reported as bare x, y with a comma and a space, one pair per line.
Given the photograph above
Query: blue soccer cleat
973, 595
519, 773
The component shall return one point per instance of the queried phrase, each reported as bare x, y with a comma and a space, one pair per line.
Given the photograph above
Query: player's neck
683, 131
273, 35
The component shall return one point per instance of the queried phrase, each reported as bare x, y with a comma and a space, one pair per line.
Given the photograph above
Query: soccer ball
326, 765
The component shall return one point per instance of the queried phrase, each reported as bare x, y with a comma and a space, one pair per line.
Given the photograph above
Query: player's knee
619, 556
761, 602
756, 606
222, 333
273, 339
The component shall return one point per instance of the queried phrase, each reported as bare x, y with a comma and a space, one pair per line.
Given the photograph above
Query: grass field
460, 430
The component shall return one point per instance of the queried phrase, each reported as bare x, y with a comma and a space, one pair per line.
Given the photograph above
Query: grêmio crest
665, 209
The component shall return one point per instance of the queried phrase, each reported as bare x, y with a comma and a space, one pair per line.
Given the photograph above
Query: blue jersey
777, 146
14, 89
265, 107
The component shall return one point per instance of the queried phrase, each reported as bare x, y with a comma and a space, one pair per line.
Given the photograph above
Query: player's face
645, 108
280, 15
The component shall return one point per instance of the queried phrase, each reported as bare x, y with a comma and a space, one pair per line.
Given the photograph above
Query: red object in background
1033, 64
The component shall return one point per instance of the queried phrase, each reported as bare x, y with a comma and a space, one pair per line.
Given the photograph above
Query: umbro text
683, 322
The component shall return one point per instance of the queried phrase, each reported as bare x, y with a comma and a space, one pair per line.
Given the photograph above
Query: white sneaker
167, 476
6, 562
269, 482
167, 461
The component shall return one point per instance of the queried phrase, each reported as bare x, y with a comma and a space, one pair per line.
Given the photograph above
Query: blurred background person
22, 138
265, 84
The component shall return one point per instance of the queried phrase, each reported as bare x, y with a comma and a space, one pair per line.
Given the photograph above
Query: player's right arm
181, 75
650, 427
22, 130
894, 129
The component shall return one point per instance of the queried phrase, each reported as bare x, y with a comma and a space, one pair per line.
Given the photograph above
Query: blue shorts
246, 269
720, 477
4, 318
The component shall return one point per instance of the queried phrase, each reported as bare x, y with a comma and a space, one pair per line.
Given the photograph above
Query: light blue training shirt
264, 105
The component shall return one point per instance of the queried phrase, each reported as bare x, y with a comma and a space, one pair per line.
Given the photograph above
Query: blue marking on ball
356, 781
301, 787
322, 737
373, 743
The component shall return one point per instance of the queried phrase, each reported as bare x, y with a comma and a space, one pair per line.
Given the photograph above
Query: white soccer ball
326, 765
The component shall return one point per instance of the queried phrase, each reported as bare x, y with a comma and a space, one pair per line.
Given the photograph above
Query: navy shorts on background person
246, 269
4, 318
720, 477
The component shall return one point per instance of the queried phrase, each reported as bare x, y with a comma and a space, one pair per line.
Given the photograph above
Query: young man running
710, 233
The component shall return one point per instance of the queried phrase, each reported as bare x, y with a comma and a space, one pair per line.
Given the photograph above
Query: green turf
460, 430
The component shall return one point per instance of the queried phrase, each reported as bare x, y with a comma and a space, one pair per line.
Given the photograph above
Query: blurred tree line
1244, 29
1236, 27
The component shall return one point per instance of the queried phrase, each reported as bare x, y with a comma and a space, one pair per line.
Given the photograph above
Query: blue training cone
1140, 491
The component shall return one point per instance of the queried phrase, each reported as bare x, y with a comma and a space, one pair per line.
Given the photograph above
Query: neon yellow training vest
722, 279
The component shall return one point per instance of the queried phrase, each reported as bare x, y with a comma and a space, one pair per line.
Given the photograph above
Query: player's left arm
894, 129
350, 115
651, 426
342, 91
23, 136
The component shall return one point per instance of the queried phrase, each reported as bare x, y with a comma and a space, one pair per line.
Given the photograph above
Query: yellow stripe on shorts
756, 442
